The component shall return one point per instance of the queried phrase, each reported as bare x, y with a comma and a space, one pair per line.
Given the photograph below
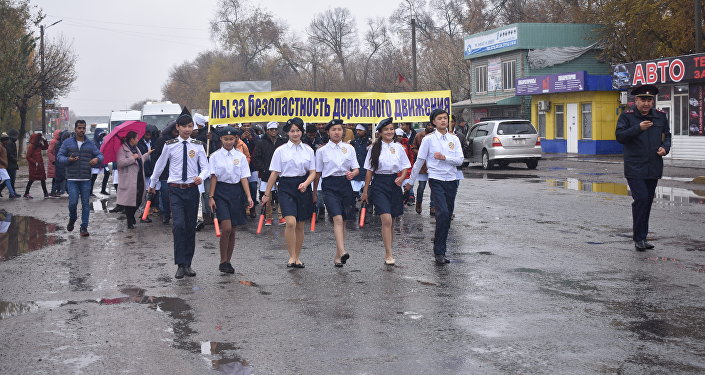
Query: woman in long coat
36, 163
51, 166
130, 164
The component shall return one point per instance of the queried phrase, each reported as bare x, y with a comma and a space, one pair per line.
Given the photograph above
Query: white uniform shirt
335, 159
392, 159
229, 166
444, 170
173, 153
292, 160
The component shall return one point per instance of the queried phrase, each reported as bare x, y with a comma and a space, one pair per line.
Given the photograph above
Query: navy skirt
338, 197
293, 202
229, 203
386, 196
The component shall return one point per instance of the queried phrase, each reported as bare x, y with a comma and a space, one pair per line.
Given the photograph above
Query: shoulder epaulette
196, 141
172, 141
628, 111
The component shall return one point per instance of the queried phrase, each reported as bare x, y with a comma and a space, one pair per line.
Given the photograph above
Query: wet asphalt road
544, 279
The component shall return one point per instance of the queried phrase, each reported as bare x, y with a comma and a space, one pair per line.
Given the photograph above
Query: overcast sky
126, 48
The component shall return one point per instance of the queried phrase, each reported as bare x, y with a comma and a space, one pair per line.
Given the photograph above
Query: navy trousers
643, 192
443, 199
184, 211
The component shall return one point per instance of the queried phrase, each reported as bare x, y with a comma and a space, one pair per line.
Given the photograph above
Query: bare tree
335, 28
249, 32
376, 37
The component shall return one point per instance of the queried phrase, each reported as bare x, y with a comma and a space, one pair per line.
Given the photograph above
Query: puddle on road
497, 176
216, 351
669, 194
100, 205
23, 234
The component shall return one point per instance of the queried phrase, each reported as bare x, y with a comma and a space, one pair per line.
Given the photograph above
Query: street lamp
41, 53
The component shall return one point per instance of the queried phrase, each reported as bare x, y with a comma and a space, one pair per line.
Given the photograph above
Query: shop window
680, 114
587, 120
481, 78
542, 124
560, 121
508, 74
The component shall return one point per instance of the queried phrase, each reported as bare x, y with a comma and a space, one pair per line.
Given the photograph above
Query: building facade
498, 57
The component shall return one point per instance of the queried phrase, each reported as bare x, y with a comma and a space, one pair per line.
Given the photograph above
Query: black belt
183, 186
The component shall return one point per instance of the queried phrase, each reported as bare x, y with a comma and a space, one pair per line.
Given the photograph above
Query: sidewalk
617, 159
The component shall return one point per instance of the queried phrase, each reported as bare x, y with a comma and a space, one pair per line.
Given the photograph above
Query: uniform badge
393, 150
192, 153
344, 150
236, 161
451, 145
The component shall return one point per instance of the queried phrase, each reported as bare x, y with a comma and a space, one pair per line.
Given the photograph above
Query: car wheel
486, 163
532, 163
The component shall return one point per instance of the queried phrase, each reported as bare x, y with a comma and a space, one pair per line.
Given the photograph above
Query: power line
129, 24
138, 34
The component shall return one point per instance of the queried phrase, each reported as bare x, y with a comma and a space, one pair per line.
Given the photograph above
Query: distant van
160, 114
118, 117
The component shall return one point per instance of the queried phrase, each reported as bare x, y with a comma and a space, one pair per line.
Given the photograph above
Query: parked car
495, 141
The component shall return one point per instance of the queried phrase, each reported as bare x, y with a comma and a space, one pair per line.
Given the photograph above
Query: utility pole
698, 27
413, 52
41, 62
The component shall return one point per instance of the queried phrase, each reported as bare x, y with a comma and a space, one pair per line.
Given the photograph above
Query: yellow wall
604, 112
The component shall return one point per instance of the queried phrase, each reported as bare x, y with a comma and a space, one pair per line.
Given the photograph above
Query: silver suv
503, 141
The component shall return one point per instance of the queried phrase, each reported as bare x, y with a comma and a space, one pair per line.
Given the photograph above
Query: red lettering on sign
662, 66
699, 61
678, 65
651, 76
638, 75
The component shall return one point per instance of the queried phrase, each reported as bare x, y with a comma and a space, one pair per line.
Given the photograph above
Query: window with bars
508, 74
481, 78
586, 109
560, 121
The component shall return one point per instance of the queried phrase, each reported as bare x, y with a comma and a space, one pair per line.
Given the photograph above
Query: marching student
228, 190
442, 153
336, 165
294, 165
185, 156
384, 161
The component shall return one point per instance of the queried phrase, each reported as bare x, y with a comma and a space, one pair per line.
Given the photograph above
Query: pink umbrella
113, 141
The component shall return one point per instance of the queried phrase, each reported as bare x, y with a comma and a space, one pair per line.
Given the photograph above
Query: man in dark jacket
79, 154
262, 157
169, 132
646, 137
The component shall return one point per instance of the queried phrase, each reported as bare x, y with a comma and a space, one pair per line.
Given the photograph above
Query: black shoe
189, 272
223, 267
116, 209
640, 245
70, 225
104, 192
199, 225
441, 259
180, 272
84, 232
344, 258
92, 195
145, 221
339, 265
648, 245
299, 265
230, 268
130, 226
290, 265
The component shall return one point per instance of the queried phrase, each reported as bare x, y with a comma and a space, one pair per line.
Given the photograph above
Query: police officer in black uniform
646, 137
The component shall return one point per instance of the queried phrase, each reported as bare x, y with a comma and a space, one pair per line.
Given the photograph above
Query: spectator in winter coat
35, 161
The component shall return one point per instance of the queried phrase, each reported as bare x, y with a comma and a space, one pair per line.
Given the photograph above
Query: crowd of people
238, 170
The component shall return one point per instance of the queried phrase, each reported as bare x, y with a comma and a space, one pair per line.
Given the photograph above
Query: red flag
400, 78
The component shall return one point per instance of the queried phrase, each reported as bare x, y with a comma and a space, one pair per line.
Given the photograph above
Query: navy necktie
183, 164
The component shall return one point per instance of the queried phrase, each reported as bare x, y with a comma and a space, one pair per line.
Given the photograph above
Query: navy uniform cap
645, 91
296, 120
184, 118
435, 113
228, 130
335, 121
383, 123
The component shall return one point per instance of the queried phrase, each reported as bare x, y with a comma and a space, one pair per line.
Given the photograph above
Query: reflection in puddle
177, 309
497, 176
22, 234
670, 194
100, 205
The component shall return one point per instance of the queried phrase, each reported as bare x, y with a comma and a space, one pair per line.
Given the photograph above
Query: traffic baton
363, 211
261, 219
313, 222
147, 206
216, 225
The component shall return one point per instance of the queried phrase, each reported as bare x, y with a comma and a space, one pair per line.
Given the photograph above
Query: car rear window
519, 127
